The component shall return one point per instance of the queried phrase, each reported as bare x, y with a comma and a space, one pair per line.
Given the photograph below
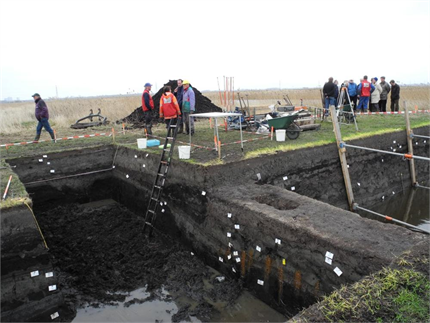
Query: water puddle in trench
410, 206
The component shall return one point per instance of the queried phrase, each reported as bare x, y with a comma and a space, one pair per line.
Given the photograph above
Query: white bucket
141, 143
280, 135
184, 152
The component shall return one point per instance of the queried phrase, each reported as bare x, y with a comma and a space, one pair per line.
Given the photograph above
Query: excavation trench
269, 241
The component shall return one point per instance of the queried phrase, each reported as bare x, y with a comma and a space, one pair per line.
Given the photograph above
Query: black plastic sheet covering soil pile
203, 105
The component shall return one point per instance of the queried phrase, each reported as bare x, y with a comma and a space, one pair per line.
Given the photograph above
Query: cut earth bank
278, 248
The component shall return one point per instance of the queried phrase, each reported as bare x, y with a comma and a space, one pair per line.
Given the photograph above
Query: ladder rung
153, 198
164, 162
151, 211
159, 174
148, 223
159, 187
172, 126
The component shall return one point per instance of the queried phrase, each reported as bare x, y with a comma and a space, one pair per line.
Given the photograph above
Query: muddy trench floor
100, 254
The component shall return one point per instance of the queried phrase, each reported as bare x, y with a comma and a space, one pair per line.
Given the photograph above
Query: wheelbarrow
82, 125
287, 123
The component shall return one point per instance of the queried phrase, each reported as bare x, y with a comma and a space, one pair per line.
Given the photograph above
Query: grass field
16, 117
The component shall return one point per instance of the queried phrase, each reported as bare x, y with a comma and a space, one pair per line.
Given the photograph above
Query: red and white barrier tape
390, 112
58, 139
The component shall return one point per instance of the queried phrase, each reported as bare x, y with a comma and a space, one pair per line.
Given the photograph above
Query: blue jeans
328, 102
43, 123
364, 100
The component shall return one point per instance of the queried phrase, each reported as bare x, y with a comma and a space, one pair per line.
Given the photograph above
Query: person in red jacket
169, 107
147, 107
365, 89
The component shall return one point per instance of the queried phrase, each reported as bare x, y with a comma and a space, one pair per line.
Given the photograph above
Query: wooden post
409, 132
342, 158
219, 149
123, 128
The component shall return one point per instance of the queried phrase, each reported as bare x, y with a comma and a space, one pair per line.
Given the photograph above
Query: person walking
336, 91
169, 108
188, 107
365, 89
329, 92
375, 96
42, 115
384, 94
147, 107
352, 91
395, 96
179, 92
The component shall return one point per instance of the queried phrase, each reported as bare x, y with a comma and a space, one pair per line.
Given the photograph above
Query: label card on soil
50, 274
203, 193
260, 282
127, 176
293, 188
258, 248
34, 273
237, 226
284, 262
162, 211
135, 156
285, 178
229, 234
337, 271
358, 184
394, 141
229, 215
143, 166
237, 259
235, 253
229, 257
328, 254
230, 245
52, 288
45, 156
40, 160
234, 270
328, 260
147, 155
220, 259
192, 253
259, 176
48, 163
113, 166
278, 241
54, 316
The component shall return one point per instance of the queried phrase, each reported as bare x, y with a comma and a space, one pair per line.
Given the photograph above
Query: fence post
342, 158
409, 134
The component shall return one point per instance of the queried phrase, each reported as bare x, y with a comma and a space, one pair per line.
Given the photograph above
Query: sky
91, 47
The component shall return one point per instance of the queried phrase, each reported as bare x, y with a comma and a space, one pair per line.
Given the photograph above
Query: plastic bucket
141, 143
280, 135
184, 152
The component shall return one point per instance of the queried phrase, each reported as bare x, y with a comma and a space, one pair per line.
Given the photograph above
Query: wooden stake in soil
342, 158
409, 134
123, 128
219, 149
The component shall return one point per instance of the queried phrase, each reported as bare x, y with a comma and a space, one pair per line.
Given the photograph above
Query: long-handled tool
7, 187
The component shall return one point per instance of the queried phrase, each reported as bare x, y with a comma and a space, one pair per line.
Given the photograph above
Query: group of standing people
173, 106
372, 94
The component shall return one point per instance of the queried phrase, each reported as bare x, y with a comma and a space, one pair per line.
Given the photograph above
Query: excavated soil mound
100, 253
203, 105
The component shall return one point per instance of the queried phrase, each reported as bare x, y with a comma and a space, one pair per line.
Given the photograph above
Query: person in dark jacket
179, 93
147, 107
336, 92
395, 96
329, 92
42, 115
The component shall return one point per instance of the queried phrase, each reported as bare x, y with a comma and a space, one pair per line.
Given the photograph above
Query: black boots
37, 137
149, 130
52, 137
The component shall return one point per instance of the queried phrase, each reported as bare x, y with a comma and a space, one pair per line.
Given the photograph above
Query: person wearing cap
147, 107
169, 108
384, 94
179, 92
352, 91
395, 96
365, 89
188, 107
42, 115
375, 96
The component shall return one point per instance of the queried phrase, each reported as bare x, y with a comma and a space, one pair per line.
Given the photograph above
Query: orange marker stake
271, 134
123, 129
55, 135
7, 187
219, 149
113, 134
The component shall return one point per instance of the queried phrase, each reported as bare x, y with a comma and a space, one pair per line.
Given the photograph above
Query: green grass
390, 295
17, 193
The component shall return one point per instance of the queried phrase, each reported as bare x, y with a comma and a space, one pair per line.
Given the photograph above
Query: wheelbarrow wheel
293, 131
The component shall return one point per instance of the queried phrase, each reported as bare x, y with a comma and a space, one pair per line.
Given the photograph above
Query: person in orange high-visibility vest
147, 107
169, 107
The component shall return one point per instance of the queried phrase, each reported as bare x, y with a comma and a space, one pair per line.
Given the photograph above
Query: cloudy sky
90, 47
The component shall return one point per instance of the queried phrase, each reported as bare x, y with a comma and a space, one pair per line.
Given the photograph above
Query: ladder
163, 167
